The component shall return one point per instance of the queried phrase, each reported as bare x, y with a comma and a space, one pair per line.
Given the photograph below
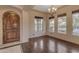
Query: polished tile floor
49, 45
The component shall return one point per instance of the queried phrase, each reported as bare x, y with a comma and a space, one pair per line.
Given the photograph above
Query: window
62, 23
38, 24
75, 17
51, 25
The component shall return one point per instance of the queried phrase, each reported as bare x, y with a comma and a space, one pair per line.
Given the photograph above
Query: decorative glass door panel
11, 27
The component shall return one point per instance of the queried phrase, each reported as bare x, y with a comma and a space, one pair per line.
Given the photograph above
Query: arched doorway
11, 27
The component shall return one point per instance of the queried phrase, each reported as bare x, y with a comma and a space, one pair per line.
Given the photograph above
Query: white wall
31, 25
14, 49
68, 36
26, 24
23, 24
2, 10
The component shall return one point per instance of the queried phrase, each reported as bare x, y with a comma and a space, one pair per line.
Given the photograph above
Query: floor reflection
50, 45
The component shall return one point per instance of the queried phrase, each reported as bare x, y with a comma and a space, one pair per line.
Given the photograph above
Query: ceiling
42, 8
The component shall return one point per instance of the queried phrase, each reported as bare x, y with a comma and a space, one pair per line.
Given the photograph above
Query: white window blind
51, 25
75, 17
62, 24
38, 24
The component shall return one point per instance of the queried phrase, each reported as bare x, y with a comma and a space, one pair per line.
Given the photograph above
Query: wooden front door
11, 27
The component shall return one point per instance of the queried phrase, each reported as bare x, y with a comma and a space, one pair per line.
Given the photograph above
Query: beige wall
14, 49
23, 24
32, 32
2, 10
26, 24
68, 36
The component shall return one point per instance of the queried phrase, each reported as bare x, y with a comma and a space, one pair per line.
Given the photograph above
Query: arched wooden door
11, 27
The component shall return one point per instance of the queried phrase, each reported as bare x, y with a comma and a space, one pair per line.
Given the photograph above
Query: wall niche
11, 27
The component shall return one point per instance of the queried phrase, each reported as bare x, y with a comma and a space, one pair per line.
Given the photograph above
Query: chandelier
52, 11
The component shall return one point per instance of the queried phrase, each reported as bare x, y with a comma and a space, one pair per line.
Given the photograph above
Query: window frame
74, 33
39, 24
64, 31
49, 24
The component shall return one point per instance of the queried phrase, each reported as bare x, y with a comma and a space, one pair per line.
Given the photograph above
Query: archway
11, 27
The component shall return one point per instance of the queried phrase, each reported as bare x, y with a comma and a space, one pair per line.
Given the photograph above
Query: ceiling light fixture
52, 10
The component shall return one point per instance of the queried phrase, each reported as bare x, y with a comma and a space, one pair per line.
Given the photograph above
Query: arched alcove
11, 27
